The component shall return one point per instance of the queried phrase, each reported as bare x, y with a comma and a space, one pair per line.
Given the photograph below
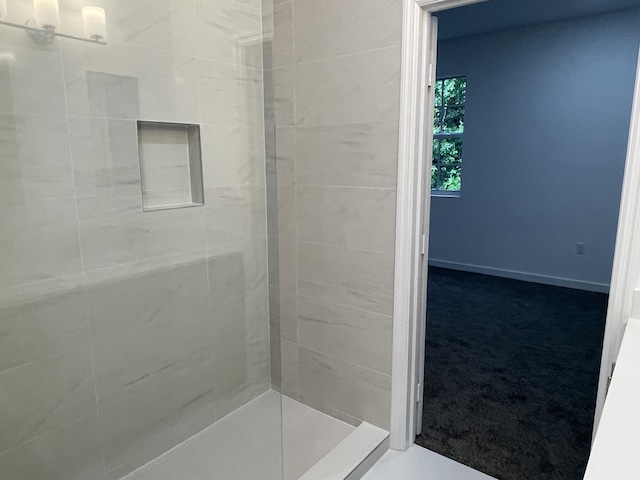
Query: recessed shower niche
170, 165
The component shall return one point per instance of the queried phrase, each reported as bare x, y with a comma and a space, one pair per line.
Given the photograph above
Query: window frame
437, 192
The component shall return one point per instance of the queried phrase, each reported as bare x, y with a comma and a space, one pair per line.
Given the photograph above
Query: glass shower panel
125, 332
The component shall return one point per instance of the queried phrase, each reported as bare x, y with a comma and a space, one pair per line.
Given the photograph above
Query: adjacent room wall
336, 76
546, 129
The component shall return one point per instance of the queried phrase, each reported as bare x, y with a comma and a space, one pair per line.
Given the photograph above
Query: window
448, 130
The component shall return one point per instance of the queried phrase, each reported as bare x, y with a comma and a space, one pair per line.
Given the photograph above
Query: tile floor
418, 463
248, 444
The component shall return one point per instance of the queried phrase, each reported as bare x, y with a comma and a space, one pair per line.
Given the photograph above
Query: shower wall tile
350, 89
126, 82
45, 395
39, 241
230, 94
234, 28
115, 230
353, 278
283, 86
22, 72
42, 320
141, 426
139, 359
105, 156
72, 452
358, 154
235, 214
232, 155
283, 34
327, 384
35, 158
288, 316
161, 24
345, 333
237, 269
362, 218
290, 370
141, 295
328, 28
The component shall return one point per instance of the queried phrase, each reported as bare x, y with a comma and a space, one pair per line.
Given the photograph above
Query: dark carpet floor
511, 375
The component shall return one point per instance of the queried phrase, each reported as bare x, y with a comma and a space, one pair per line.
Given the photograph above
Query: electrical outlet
581, 249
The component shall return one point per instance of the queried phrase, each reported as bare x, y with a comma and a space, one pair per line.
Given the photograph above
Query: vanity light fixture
43, 27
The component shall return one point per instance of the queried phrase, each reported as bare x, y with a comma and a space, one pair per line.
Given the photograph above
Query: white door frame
419, 43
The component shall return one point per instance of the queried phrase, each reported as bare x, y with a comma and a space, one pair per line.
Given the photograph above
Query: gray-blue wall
546, 129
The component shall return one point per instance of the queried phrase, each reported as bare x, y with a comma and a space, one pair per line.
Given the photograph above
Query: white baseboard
528, 277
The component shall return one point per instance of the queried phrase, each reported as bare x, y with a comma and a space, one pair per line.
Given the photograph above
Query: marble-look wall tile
126, 82
115, 230
275, 348
22, 72
138, 427
235, 214
232, 155
234, 28
39, 241
105, 156
283, 87
235, 270
327, 28
354, 217
138, 359
42, 320
35, 158
146, 294
326, 381
290, 369
353, 278
345, 333
161, 24
356, 88
72, 452
45, 395
230, 94
358, 154
283, 34
288, 316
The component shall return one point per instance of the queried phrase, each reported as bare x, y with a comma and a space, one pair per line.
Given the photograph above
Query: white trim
626, 262
527, 277
418, 51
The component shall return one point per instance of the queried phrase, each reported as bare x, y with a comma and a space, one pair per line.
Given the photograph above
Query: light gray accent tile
354, 278
329, 382
235, 214
146, 294
230, 94
39, 241
114, 230
283, 34
22, 73
141, 426
232, 155
165, 25
363, 87
283, 88
359, 154
327, 28
228, 31
362, 218
105, 156
35, 158
42, 320
359, 337
45, 395
126, 82
72, 452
